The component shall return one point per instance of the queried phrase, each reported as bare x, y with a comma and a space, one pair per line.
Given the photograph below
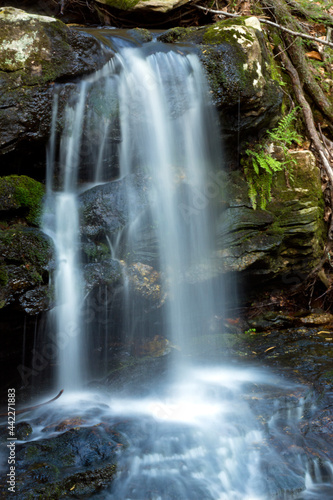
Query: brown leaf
270, 348
314, 55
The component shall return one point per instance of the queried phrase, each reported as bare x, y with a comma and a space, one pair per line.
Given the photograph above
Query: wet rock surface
37, 51
26, 254
282, 243
75, 463
78, 456
237, 65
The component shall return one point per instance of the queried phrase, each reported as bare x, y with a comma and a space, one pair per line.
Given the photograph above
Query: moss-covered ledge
25, 251
285, 241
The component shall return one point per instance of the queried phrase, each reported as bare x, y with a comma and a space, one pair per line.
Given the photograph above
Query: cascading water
169, 131
194, 437
61, 222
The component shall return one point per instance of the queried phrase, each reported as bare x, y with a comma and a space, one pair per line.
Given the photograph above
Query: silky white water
170, 131
195, 435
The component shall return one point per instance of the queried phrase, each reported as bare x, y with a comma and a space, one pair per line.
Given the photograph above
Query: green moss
3, 275
27, 248
121, 4
20, 191
181, 34
97, 252
328, 375
226, 31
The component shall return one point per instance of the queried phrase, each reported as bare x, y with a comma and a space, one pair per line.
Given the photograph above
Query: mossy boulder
155, 6
22, 195
236, 59
285, 241
39, 49
35, 52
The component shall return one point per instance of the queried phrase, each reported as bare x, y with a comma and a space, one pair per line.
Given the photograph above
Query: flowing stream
196, 434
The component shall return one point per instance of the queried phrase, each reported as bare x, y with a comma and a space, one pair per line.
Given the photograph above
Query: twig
265, 21
24, 410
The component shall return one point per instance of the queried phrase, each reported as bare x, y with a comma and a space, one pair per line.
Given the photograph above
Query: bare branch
265, 21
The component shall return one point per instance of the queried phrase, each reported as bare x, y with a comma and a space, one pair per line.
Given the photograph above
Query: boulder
154, 6
36, 52
72, 457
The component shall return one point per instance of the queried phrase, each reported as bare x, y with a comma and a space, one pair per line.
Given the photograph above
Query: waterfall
170, 131
143, 133
169, 134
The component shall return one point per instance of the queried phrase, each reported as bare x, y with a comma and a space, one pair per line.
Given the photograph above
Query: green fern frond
261, 166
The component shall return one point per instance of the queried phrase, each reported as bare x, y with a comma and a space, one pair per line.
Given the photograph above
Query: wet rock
23, 431
108, 272
146, 6
105, 208
80, 461
140, 376
285, 241
36, 51
317, 319
146, 281
238, 68
141, 35
24, 268
21, 195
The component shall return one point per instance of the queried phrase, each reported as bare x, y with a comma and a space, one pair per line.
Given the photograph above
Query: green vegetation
20, 191
3, 276
260, 166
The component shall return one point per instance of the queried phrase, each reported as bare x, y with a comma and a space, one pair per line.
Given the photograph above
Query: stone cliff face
37, 52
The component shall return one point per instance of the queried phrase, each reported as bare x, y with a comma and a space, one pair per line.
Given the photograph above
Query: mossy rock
80, 461
238, 67
35, 52
141, 35
24, 270
285, 241
22, 192
38, 49
159, 6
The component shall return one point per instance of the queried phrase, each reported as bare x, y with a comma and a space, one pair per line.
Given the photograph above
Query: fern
261, 166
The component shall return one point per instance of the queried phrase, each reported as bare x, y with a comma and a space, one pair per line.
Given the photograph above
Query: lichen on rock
35, 52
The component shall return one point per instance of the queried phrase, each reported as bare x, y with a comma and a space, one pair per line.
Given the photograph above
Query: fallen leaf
232, 321
314, 55
72, 488
270, 348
